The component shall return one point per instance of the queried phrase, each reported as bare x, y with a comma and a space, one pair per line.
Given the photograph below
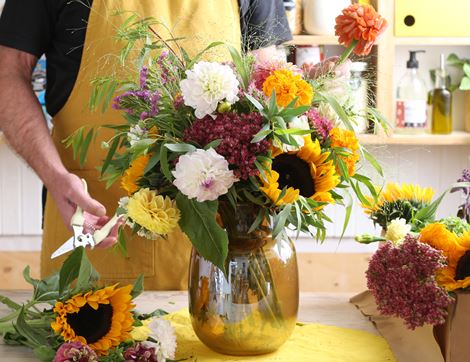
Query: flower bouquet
234, 153
420, 273
71, 318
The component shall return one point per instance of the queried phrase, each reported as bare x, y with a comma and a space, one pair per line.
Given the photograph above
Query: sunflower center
294, 172
463, 267
91, 324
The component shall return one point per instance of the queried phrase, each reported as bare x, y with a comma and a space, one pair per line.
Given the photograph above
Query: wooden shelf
431, 41
314, 40
456, 138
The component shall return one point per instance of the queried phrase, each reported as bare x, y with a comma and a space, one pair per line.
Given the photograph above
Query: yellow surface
309, 342
433, 18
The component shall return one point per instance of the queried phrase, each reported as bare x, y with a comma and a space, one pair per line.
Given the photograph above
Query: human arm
23, 124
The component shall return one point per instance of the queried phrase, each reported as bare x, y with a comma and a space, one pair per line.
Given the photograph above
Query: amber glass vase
254, 309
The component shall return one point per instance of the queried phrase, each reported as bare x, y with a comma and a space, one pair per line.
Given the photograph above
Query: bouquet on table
71, 318
423, 261
200, 132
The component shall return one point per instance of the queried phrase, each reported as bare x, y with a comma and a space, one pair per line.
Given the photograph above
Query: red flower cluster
360, 23
236, 132
402, 280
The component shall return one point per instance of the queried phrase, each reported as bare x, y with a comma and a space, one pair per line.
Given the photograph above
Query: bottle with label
441, 102
412, 95
359, 99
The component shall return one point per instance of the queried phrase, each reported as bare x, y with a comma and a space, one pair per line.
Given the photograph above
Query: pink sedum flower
203, 175
402, 280
75, 352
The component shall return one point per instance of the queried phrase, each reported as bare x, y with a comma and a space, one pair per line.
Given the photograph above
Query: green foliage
209, 239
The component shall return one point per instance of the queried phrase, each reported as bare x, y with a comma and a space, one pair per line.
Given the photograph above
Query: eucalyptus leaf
180, 147
280, 220
24, 329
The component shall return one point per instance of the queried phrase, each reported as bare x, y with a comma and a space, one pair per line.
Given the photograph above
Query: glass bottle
358, 86
441, 102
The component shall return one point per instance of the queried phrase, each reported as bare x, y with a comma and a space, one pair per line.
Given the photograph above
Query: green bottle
441, 102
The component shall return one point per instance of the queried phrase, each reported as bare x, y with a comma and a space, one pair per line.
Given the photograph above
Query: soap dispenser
412, 95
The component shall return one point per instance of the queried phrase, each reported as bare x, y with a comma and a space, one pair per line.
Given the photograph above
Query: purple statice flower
402, 280
162, 61
149, 98
235, 132
321, 125
75, 352
140, 353
143, 77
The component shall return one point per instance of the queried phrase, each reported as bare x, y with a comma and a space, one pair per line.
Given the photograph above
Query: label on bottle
411, 113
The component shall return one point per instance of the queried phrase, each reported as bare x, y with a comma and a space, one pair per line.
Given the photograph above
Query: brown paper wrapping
454, 336
407, 346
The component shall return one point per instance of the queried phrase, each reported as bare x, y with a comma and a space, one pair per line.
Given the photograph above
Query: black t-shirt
57, 29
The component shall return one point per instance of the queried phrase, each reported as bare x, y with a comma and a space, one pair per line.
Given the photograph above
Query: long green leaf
109, 156
371, 159
164, 164
280, 220
209, 239
28, 332
180, 147
239, 64
84, 147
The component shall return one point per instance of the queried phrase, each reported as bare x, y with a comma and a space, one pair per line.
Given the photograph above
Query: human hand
329, 65
68, 193
93, 223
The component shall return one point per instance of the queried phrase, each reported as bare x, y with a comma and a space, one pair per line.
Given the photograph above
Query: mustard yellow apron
164, 263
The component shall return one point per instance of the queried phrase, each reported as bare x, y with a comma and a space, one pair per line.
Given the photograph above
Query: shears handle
101, 234
78, 218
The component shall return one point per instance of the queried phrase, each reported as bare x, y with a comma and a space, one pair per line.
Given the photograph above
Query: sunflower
397, 201
343, 138
306, 172
102, 319
287, 85
456, 275
134, 173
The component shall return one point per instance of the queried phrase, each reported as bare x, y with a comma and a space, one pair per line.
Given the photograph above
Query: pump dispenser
411, 107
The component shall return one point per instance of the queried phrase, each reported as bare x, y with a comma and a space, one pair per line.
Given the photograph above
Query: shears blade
64, 248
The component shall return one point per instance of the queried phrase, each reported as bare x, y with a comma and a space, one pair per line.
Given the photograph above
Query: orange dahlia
134, 173
101, 319
287, 86
343, 138
360, 24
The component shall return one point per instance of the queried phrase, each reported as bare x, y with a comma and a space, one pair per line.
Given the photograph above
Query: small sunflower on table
71, 318
422, 261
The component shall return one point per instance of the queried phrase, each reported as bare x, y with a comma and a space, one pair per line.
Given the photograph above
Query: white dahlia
397, 230
163, 332
206, 85
203, 174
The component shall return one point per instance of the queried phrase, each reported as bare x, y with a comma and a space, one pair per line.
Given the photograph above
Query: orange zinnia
343, 138
360, 24
288, 86
134, 173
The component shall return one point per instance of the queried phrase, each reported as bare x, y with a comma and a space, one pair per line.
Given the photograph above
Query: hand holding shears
82, 238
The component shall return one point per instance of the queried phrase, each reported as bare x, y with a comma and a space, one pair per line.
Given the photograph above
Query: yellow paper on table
309, 342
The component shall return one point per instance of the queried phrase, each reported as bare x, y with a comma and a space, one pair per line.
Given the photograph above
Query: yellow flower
141, 333
156, 213
102, 318
287, 87
134, 173
394, 192
306, 172
452, 276
343, 138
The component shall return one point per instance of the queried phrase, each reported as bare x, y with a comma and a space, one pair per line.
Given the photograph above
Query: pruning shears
80, 238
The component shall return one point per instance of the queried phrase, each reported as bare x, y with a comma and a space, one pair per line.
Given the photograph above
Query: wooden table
332, 309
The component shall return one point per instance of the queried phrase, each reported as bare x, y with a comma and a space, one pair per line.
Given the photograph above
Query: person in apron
163, 262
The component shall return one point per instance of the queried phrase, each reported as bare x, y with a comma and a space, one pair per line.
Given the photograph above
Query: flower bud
223, 107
